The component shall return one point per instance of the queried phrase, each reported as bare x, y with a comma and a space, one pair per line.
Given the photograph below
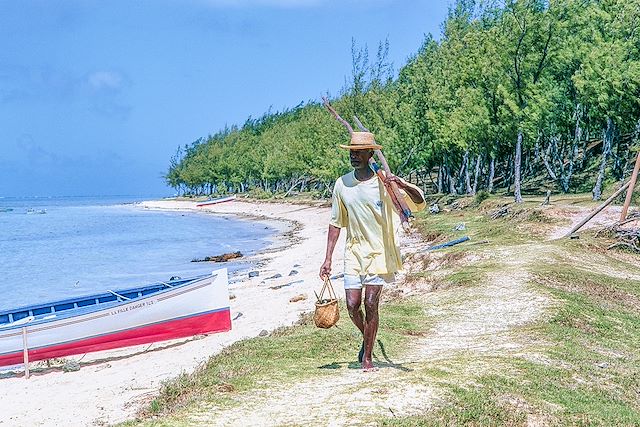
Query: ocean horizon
59, 247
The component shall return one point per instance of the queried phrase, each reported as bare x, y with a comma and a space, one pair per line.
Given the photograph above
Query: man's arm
415, 195
332, 239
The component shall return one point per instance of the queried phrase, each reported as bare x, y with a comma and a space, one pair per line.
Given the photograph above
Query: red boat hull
205, 323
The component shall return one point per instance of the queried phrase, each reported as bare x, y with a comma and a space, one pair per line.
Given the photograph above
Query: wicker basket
327, 312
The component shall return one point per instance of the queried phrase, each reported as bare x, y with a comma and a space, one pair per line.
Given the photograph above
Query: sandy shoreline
111, 385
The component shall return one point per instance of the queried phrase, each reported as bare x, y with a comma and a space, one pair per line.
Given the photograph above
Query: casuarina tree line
514, 95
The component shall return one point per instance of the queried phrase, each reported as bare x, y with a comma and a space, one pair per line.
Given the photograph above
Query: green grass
469, 407
472, 275
286, 356
586, 371
521, 225
589, 373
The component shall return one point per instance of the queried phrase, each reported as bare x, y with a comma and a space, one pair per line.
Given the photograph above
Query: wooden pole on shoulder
632, 184
394, 191
398, 201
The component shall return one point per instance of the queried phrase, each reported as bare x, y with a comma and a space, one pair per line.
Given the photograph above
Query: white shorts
357, 282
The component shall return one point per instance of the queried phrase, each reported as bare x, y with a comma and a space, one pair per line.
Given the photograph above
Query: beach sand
112, 385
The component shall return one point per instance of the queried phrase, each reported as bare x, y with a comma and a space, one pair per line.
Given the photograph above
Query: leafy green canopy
539, 68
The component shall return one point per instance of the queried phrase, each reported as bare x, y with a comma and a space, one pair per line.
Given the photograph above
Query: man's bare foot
367, 366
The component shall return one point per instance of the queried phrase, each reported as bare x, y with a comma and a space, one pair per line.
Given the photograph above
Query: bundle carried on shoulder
327, 311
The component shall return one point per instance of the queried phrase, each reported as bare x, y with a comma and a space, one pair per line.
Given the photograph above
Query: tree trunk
516, 169
440, 172
477, 174
607, 137
529, 164
577, 136
492, 172
459, 180
452, 183
584, 149
566, 179
547, 165
467, 175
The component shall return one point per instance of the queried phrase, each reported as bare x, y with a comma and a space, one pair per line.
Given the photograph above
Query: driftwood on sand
219, 258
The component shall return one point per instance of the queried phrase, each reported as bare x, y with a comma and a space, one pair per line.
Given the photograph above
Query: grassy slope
589, 373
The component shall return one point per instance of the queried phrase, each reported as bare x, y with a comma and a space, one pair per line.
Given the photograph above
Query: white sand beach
112, 385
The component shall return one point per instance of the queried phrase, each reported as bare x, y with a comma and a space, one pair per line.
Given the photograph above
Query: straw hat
362, 141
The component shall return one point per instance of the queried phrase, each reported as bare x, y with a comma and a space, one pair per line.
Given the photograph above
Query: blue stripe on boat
86, 302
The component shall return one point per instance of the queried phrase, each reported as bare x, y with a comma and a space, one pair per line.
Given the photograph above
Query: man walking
362, 205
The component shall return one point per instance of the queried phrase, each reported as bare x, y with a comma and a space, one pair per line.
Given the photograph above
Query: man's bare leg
371, 301
354, 299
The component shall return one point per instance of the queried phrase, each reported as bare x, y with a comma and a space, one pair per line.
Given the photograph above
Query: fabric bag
327, 311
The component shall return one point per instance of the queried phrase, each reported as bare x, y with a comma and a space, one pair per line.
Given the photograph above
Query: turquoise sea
54, 248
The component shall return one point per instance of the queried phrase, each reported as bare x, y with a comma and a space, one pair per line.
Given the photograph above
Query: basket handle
329, 288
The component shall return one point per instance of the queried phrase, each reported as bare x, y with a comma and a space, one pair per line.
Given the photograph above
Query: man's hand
415, 196
399, 182
325, 269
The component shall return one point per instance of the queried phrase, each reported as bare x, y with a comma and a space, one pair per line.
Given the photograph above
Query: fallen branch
628, 238
499, 213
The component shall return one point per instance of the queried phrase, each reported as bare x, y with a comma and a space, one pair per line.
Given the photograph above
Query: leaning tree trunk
492, 173
606, 149
516, 169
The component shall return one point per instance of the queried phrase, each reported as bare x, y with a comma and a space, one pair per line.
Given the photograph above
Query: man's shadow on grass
387, 363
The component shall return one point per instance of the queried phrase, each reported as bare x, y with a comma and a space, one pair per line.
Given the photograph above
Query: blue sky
95, 96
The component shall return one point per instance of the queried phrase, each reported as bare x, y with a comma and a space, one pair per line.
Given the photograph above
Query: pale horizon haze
95, 96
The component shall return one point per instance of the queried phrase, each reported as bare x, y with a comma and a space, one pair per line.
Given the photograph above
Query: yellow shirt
366, 210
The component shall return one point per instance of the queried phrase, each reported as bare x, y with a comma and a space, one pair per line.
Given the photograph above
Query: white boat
113, 319
216, 200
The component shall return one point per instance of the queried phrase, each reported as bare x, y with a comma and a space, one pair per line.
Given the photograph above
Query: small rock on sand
254, 273
300, 297
293, 272
263, 333
71, 366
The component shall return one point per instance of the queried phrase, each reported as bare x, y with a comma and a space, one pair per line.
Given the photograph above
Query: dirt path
472, 321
